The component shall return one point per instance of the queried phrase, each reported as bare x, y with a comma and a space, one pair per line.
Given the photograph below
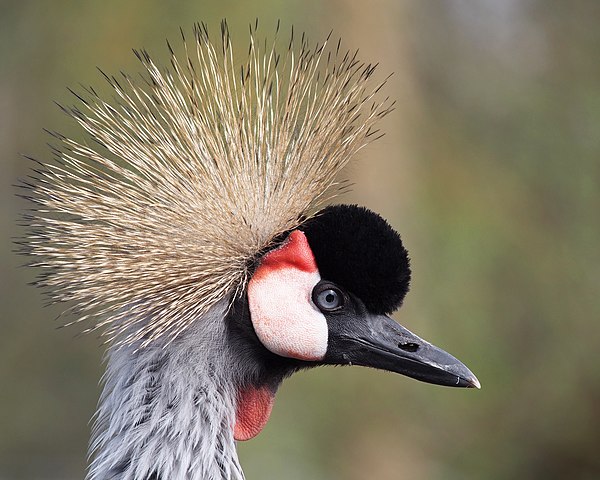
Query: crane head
322, 297
194, 192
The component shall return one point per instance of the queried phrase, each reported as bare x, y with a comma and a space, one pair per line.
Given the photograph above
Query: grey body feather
167, 409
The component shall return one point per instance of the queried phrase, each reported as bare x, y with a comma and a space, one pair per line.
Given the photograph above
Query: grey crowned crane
191, 229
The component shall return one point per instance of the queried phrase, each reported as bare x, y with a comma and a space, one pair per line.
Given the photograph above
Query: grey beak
384, 344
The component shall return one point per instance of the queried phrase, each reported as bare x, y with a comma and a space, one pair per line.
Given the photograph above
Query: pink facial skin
279, 295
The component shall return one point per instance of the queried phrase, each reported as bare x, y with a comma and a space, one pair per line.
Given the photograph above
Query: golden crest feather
193, 170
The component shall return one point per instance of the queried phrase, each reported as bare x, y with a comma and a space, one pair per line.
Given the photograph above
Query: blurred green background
490, 169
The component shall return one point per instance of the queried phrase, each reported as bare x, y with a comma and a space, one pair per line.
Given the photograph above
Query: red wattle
253, 410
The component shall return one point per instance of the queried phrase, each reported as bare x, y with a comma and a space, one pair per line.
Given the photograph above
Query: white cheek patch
284, 317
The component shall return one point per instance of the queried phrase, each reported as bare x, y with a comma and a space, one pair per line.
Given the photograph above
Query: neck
167, 411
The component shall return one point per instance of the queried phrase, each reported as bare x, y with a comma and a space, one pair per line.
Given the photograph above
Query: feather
189, 172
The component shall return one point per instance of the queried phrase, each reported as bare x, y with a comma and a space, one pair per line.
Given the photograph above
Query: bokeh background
490, 169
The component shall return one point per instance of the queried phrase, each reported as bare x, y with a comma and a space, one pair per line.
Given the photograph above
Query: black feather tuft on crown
357, 249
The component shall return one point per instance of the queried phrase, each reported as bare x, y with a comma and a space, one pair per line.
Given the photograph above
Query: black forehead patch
358, 250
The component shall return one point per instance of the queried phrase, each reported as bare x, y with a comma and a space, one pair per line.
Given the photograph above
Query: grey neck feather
167, 411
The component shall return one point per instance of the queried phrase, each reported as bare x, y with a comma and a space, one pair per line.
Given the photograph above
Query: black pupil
330, 297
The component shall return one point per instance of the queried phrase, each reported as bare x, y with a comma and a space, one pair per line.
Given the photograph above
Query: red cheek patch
294, 253
253, 410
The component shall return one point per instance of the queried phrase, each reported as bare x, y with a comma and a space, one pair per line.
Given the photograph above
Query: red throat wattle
253, 410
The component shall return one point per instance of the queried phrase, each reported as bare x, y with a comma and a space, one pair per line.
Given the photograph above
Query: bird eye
328, 299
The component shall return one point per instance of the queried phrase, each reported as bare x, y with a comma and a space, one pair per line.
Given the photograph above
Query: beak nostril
409, 346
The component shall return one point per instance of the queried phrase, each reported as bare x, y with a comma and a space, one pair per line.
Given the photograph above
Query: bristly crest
192, 171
